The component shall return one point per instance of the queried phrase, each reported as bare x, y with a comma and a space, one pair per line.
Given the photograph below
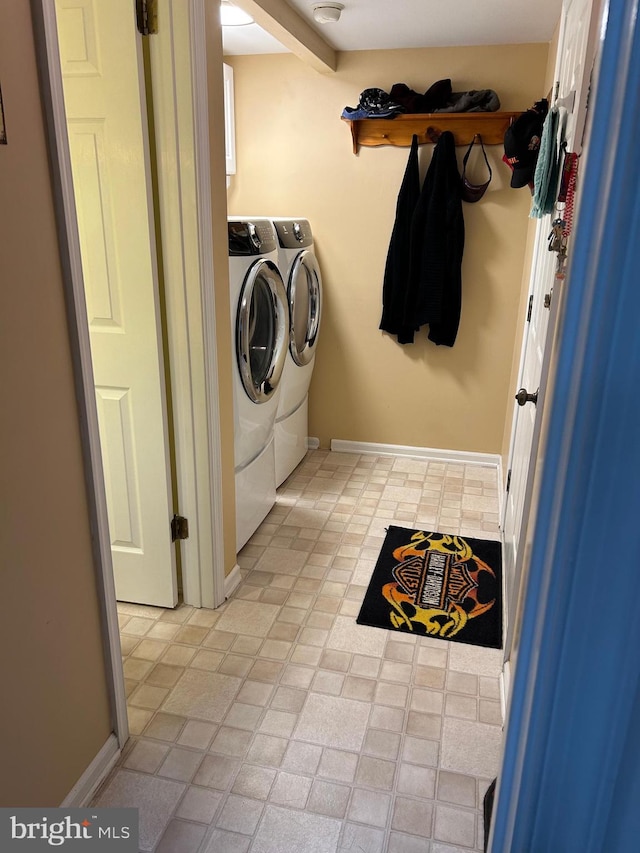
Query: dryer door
305, 307
261, 330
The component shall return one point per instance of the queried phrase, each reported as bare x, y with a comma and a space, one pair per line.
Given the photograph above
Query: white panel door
578, 39
106, 116
526, 421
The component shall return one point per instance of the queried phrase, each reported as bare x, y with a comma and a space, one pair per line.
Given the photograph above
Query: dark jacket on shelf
434, 290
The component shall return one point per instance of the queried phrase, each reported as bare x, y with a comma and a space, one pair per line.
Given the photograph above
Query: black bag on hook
474, 192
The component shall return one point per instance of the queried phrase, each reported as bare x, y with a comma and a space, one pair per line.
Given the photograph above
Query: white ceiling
386, 24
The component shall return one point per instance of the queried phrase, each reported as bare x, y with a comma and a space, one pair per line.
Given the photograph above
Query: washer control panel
293, 233
254, 236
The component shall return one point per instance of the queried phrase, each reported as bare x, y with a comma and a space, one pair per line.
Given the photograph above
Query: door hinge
147, 16
508, 480
530, 308
179, 528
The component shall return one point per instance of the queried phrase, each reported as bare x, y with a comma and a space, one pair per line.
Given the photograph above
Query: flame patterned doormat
437, 585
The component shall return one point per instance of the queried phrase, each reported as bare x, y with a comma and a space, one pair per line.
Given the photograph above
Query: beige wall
294, 158
54, 712
221, 276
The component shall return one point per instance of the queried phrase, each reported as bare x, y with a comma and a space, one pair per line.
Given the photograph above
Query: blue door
570, 779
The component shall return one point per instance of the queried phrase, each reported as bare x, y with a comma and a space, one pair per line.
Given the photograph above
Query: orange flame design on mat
437, 621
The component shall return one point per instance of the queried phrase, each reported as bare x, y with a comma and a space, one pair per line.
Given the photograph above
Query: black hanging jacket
434, 292
396, 273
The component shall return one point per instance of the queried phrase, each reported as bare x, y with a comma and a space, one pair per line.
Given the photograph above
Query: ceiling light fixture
232, 16
327, 13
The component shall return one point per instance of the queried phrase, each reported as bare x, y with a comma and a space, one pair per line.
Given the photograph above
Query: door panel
106, 112
96, 224
121, 475
524, 448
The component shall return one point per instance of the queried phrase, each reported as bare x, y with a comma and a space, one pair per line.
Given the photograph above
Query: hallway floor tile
276, 723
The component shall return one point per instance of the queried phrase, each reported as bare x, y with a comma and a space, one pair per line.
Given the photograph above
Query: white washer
301, 273
260, 335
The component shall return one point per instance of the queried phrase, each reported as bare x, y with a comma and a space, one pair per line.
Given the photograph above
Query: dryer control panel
251, 237
293, 233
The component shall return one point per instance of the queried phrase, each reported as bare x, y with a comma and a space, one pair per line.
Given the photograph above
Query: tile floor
276, 723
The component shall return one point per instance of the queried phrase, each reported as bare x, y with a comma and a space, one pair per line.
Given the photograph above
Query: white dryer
260, 336
301, 273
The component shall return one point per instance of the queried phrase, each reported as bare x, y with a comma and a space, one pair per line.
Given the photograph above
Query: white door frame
182, 143
203, 574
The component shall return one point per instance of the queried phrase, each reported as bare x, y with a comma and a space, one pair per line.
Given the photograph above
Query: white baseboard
501, 497
466, 457
232, 580
93, 776
313, 443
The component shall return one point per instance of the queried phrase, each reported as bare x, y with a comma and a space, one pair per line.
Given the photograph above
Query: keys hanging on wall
557, 240
557, 243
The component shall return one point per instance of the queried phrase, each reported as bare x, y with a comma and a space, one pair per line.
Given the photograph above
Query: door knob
523, 397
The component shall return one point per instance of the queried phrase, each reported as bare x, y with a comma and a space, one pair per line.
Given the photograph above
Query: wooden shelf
399, 130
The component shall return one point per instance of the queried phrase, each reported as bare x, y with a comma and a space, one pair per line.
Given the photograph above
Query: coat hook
433, 133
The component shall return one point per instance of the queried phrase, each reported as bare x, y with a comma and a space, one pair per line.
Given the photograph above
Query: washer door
261, 329
305, 307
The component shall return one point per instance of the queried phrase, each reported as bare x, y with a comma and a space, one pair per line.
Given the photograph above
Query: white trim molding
214, 593
313, 443
179, 86
86, 786
505, 688
232, 581
465, 457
